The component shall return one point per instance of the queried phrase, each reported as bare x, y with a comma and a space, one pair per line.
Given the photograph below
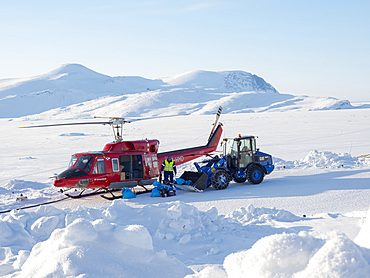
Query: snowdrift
121, 241
363, 238
324, 159
300, 255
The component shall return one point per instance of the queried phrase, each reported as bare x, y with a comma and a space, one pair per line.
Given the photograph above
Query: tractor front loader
241, 161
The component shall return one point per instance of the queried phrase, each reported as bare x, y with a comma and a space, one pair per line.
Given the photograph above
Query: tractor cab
241, 151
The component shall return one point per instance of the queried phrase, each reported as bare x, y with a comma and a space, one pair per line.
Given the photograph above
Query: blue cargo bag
155, 192
127, 193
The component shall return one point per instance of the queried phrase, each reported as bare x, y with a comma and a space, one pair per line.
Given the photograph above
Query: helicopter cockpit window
84, 163
99, 166
72, 161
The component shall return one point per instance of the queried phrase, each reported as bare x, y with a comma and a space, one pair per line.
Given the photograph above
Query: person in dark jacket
168, 167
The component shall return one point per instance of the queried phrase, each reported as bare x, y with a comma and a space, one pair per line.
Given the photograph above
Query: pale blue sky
316, 48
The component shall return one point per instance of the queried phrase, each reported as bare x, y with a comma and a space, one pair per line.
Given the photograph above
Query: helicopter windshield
82, 162
72, 161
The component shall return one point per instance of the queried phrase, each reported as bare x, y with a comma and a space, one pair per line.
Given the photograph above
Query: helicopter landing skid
113, 197
82, 193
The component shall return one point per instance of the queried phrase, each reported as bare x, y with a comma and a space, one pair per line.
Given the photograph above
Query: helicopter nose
59, 183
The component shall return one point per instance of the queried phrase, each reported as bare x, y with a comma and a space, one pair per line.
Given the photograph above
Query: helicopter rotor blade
129, 120
158, 117
85, 123
114, 121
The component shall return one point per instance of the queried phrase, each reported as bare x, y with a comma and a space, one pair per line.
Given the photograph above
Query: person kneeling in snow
168, 167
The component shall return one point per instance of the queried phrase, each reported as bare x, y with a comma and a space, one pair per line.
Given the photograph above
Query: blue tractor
241, 161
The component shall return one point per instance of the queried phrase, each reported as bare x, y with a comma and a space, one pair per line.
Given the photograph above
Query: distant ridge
229, 81
75, 91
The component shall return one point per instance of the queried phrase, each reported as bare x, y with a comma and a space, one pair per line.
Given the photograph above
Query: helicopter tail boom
182, 156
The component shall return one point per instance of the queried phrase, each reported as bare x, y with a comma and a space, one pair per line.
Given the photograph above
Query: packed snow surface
309, 218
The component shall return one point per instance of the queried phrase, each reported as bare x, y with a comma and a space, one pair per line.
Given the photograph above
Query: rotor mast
117, 127
116, 132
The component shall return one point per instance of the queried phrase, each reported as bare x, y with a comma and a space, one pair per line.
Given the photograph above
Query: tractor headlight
264, 158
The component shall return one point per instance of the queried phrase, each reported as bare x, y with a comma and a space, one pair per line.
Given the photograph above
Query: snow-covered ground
309, 218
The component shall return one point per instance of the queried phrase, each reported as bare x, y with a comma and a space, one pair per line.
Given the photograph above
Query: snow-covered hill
78, 92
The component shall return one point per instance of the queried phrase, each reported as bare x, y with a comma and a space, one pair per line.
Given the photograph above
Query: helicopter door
131, 167
99, 176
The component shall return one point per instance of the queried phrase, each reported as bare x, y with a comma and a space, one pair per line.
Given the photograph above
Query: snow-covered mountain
223, 81
73, 90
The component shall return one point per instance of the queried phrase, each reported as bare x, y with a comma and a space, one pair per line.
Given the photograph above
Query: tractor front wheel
255, 174
220, 179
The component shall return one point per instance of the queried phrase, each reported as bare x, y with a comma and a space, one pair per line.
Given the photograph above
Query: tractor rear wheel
220, 179
255, 174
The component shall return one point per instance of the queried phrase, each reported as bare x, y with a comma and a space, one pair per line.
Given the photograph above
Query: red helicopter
125, 163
